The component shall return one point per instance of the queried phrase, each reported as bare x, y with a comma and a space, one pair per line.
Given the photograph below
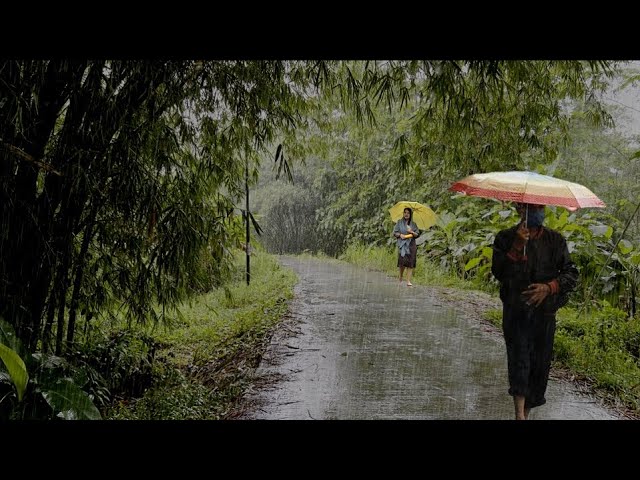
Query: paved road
360, 346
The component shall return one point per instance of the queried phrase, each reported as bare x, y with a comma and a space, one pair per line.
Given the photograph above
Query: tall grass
211, 349
426, 272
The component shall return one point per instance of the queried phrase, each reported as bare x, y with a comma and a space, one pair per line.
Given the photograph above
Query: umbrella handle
526, 221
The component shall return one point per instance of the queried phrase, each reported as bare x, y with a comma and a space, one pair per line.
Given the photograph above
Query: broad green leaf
48, 362
69, 401
600, 230
625, 246
608, 233
16, 369
562, 219
8, 336
472, 263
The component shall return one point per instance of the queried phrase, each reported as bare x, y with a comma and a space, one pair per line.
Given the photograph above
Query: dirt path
357, 345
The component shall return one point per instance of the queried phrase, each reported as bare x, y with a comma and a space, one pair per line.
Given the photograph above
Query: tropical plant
49, 392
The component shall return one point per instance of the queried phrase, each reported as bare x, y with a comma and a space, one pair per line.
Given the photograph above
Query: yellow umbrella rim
422, 223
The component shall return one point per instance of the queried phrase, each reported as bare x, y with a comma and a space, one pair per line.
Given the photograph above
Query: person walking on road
536, 275
406, 232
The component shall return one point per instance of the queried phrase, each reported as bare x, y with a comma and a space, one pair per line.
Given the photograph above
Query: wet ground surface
359, 345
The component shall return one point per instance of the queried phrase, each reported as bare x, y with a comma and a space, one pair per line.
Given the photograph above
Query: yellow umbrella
422, 215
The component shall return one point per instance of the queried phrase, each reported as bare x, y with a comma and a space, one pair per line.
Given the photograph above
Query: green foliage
374, 258
469, 116
205, 359
603, 160
120, 182
494, 316
288, 213
430, 121
117, 362
178, 398
461, 240
120, 178
71, 403
16, 369
385, 259
603, 346
605, 273
49, 392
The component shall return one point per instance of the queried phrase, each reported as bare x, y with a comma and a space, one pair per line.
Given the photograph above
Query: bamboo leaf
255, 224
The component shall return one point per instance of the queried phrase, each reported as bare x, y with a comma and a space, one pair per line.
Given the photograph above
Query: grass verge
211, 349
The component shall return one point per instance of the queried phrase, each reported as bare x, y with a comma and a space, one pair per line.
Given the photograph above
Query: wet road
360, 346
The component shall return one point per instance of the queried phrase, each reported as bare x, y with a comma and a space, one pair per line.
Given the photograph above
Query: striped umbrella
528, 187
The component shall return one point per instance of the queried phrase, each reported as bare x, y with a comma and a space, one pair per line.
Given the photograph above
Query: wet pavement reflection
359, 345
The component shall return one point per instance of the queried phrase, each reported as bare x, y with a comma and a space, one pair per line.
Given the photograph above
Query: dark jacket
547, 259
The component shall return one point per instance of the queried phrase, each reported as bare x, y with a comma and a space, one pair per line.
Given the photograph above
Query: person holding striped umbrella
535, 271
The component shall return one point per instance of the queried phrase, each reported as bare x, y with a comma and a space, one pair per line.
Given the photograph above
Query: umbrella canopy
422, 215
528, 187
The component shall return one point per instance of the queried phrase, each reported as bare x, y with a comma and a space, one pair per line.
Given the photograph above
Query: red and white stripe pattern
528, 187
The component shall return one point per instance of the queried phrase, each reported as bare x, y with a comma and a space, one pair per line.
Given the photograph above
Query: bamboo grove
120, 180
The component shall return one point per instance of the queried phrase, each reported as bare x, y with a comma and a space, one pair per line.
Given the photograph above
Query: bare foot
409, 284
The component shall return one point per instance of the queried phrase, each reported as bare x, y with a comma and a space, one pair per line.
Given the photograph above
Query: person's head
407, 214
535, 217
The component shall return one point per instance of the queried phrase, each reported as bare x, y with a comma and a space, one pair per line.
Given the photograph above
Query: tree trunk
77, 282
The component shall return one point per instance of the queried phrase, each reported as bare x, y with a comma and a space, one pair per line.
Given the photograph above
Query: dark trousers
528, 334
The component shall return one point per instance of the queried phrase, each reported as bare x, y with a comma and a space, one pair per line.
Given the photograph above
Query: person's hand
536, 293
409, 230
522, 233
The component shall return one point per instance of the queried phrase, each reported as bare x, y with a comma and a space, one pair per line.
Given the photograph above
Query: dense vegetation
342, 207
122, 185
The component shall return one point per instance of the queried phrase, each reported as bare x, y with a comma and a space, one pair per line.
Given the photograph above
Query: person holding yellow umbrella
408, 215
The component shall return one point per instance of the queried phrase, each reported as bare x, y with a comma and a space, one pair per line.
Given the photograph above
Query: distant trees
118, 179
